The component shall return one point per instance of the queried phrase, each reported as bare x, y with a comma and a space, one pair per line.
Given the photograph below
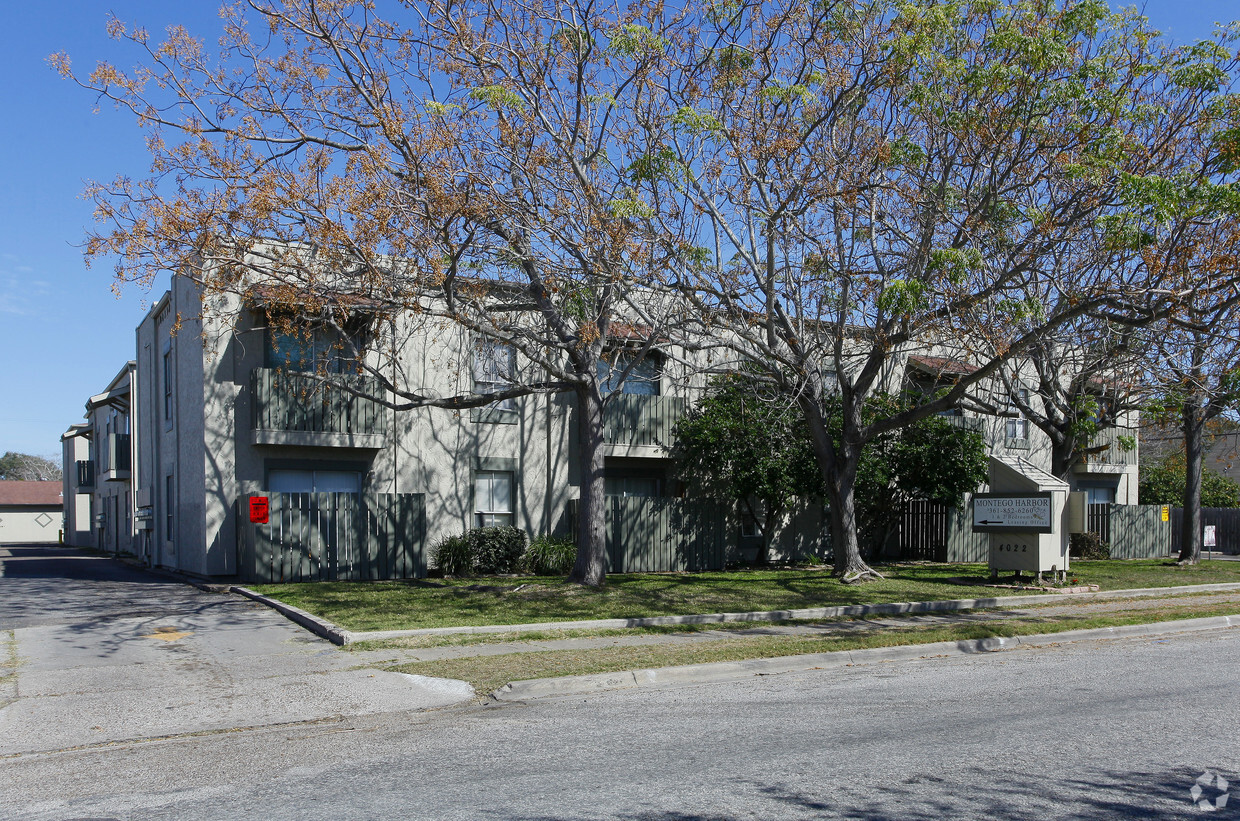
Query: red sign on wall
258, 510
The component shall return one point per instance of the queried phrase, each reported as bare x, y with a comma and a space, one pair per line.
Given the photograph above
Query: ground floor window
492, 498
314, 481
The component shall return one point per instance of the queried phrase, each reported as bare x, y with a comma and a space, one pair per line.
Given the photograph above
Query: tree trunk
1194, 433
1063, 455
839, 472
590, 568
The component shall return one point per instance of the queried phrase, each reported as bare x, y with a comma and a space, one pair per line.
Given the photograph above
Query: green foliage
549, 556
742, 441
482, 550
498, 97
1088, 546
496, 549
1164, 485
454, 557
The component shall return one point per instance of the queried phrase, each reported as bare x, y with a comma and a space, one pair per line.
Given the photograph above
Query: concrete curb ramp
739, 670
340, 636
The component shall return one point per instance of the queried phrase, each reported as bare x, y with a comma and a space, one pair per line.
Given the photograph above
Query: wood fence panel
655, 534
1138, 532
1226, 521
333, 536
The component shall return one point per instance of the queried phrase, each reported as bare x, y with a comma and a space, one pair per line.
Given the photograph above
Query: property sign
1209, 538
259, 509
1166, 513
1002, 513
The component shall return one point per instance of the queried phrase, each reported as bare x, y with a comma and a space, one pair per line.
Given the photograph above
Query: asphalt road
1097, 729
93, 652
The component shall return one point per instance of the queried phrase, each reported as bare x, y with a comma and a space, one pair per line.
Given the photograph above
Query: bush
1088, 546
480, 551
496, 549
549, 556
454, 556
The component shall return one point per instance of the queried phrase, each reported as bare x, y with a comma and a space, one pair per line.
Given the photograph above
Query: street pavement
93, 651
1121, 728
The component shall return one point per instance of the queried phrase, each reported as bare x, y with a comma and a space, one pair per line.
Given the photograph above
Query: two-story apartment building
221, 404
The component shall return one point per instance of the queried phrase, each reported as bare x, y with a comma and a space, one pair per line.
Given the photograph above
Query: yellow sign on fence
1166, 513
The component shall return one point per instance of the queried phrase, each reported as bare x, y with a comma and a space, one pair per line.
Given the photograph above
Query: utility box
1026, 514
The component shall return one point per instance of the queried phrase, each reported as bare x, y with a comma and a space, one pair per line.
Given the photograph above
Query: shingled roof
34, 494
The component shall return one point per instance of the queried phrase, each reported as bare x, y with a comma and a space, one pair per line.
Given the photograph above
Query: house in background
30, 512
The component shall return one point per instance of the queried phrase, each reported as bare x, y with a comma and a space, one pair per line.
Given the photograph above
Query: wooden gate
334, 537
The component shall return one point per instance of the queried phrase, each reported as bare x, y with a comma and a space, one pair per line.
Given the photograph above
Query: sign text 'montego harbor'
1002, 512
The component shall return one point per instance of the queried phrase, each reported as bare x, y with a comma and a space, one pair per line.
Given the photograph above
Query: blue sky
64, 333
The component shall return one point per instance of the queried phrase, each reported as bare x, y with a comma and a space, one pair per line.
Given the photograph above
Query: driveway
93, 651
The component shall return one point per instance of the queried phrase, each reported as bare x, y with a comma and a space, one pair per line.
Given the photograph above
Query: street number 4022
1013, 548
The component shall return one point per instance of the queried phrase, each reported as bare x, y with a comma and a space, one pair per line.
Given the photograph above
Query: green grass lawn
363, 606
488, 673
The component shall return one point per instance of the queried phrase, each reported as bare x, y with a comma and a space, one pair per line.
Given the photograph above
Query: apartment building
220, 405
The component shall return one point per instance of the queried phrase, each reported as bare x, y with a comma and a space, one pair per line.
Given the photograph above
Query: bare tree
25, 467
464, 163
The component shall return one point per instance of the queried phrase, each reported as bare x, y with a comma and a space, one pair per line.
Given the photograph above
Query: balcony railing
637, 420
1117, 453
286, 401
973, 423
85, 474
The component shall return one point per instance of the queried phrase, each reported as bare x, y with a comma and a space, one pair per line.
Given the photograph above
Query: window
492, 498
168, 384
643, 376
494, 370
314, 481
308, 348
1018, 426
169, 520
1099, 495
633, 481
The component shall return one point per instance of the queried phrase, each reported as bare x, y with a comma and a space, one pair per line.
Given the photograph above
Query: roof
42, 494
938, 365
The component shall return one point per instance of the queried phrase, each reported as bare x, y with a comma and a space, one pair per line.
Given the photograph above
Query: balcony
973, 423
1116, 455
299, 409
637, 425
85, 474
114, 458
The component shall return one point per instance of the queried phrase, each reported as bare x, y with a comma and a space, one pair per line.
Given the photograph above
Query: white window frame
489, 507
494, 370
1017, 427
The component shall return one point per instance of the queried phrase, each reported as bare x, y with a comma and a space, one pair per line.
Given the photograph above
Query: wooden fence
1138, 532
1226, 521
333, 537
651, 534
939, 533
934, 532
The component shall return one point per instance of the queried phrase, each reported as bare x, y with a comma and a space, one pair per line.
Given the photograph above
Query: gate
334, 537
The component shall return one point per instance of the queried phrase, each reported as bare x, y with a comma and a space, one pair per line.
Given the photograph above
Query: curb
320, 627
889, 609
717, 672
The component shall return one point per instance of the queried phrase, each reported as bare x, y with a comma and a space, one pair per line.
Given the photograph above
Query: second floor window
1018, 425
315, 349
168, 385
643, 375
494, 370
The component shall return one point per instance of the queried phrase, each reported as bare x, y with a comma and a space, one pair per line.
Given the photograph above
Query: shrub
1088, 546
549, 556
454, 556
496, 549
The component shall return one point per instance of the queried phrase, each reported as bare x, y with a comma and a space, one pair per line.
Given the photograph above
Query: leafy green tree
742, 443
1163, 484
